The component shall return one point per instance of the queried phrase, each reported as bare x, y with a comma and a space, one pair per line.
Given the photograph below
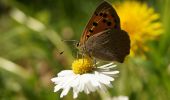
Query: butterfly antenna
74, 41
69, 40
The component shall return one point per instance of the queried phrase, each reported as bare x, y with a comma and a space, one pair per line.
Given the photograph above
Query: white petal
75, 93
103, 88
89, 85
79, 85
82, 82
91, 88
107, 77
57, 80
94, 82
86, 90
102, 79
57, 87
111, 72
65, 91
85, 81
75, 82
109, 85
65, 73
53, 79
112, 66
67, 81
106, 65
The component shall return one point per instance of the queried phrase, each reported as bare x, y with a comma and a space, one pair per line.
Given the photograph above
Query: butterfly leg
77, 54
82, 55
94, 59
95, 62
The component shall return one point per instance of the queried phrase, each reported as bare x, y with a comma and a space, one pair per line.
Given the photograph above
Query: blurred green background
30, 45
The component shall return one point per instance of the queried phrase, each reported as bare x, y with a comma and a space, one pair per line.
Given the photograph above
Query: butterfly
103, 38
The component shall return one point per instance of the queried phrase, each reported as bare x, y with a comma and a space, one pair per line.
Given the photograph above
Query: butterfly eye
77, 44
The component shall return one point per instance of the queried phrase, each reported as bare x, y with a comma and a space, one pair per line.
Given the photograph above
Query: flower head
90, 79
81, 66
140, 21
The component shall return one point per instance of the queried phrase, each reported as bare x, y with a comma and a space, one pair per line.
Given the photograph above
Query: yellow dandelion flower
141, 22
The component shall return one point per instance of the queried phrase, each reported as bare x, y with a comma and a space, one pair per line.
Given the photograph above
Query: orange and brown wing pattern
104, 17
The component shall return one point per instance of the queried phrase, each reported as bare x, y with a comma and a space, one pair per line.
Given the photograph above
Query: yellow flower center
82, 66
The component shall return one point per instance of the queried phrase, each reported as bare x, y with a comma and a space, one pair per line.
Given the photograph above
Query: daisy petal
112, 73
65, 73
106, 65
64, 92
75, 93
56, 88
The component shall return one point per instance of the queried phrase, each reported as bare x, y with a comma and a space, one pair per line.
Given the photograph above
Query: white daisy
84, 77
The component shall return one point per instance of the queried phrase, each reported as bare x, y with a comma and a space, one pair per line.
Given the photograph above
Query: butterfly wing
104, 17
109, 45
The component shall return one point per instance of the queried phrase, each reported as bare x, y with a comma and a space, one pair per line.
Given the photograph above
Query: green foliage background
30, 51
